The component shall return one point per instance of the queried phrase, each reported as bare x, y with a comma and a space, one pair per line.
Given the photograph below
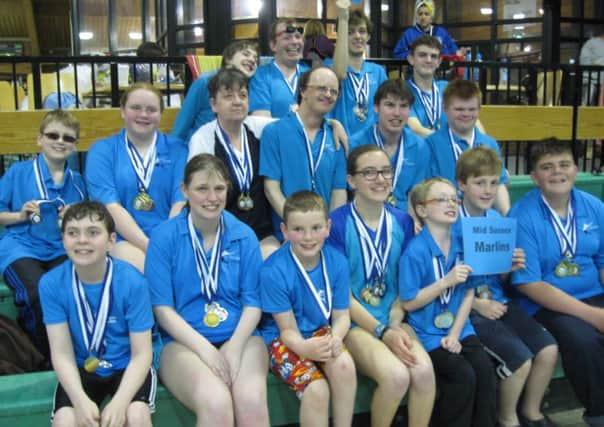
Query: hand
490, 309
86, 413
318, 348
217, 363
400, 344
340, 137
27, 209
451, 344
114, 414
457, 275
232, 354
518, 259
337, 346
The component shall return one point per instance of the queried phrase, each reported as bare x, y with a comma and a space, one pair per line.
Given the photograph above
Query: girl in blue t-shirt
202, 268
434, 291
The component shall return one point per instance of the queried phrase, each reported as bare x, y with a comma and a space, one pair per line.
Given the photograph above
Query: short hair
205, 162
395, 87
227, 78
358, 17
353, 157
144, 86
61, 116
237, 46
272, 33
419, 193
425, 40
303, 201
477, 161
313, 28
462, 89
305, 78
94, 210
149, 50
549, 146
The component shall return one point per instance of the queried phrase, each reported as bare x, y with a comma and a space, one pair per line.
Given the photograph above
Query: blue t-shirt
269, 90
443, 157
129, 312
416, 161
417, 108
343, 110
283, 158
416, 271
537, 237
344, 236
448, 45
27, 240
171, 269
283, 289
196, 110
111, 177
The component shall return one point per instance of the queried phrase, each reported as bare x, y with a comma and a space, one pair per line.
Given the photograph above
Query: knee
523, 370
316, 396
218, 408
547, 356
138, 415
396, 381
422, 376
342, 369
64, 417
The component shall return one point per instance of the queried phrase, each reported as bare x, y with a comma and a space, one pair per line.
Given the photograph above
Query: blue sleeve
408, 227
526, 239
251, 261
178, 173
433, 168
158, 268
191, 107
260, 91
337, 233
599, 259
51, 300
339, 182
401, 50
449, 47
139, 314
410, 274
274, 290
270, 159
7, 185
80, 184
100, 176
341, 289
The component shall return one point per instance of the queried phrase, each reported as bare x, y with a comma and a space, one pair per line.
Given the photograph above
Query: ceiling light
519, 27
486, 11
86, 35
385, 7
519, 15
197, 31
135, 35
527, 48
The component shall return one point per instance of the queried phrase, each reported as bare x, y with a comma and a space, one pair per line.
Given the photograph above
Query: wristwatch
379, 330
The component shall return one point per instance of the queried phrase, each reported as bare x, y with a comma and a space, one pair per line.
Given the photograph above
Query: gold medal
245, 202
370, 298
215, 314
391, 200
143, 202
444, 320
211, 320
91, 364
483, 292
562, 269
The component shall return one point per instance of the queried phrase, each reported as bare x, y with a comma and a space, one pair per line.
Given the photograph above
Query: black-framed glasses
326, 90
444, 200
290, 29
372, 174
55, 136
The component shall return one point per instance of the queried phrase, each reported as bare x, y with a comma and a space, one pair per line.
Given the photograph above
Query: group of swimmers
264, 244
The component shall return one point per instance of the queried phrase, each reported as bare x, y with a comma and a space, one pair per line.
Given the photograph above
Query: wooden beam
590, 123
30, 24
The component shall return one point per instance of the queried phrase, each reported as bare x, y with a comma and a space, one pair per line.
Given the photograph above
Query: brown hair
94, 210
395, 87
425, 40
477, 161
237, 46
303, 201
205, 162
462, 89
549, 146
143, 86
353, 157
61, 116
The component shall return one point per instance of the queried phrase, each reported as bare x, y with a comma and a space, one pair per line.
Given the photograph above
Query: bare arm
176, 208
127, 227
264, 113
462, 314
502, 200
340, 56
338, 198
340, 323
314, 348
418, 128
10, 218
274, 195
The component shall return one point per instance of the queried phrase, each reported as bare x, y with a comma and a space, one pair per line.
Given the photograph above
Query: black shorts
98, 388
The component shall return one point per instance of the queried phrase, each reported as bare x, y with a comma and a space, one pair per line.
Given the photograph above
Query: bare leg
314, 407
509, 393
341, 374
64, 417
138, 415
537, 382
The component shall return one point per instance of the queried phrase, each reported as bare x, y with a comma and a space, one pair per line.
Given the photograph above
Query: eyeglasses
372, 174
290, 29
326, 90
444, 200
54, 136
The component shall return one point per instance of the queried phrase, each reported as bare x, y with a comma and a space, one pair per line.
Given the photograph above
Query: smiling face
462, 114
393, 113
206, 192
371, 191
479, 193
358, 36
141, 113
441, 205
53, 144
287, 46
245, 60
87, 242
555, 174
425, 61
307, 232
321, 91
230, 104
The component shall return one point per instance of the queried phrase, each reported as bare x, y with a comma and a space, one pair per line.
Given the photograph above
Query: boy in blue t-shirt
98, 317
525, 353
304, 285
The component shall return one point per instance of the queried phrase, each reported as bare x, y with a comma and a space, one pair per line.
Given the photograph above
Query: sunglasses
54, 136
290, 29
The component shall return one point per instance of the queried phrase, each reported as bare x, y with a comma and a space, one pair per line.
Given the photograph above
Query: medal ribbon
326, 310
566, 234
208, 274
292, 83
375, 252
361, 88
439, 273
457, 150
312, 163
143, 167
39, 177
431, 102
93, 327
400, 153
242, 170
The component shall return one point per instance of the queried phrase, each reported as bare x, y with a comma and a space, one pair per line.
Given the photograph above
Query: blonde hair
419, 193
